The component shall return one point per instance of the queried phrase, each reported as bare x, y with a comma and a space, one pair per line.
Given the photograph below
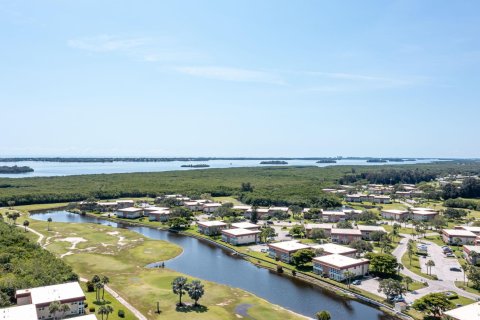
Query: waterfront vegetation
122, 256
270, 185
15, 169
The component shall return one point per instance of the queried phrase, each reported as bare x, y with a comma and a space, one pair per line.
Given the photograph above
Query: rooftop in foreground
468, 312
64, 291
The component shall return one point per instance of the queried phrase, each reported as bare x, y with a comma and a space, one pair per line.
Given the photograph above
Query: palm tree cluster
105, 310
55, 307
195, 289
99, 285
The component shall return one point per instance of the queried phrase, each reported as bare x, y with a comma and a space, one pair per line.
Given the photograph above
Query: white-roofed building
210, 228
335, 266
381, 199
367, 230
261, 213
395, 214
333, 216
24, 312
240, 236
242, 208
194, 205
475, 230
130, 213
67, 293
345, 236
160, 215
468, 312
283, 250
326, 227
332, 248
211, 207
245, 225
125, 204
468, 253
450, 236
423, 214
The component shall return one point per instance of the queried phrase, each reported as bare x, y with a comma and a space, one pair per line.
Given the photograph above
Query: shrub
279, 269
92, 309
121, 313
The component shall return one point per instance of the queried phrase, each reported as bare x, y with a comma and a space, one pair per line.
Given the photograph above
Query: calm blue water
206, 261
45, 169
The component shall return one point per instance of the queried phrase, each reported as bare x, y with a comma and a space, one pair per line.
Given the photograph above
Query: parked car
357, 282
269, 222
264, 250
455, 269
450, 255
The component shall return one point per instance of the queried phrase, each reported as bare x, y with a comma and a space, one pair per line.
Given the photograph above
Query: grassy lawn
415, 266
92, 303
435, 239
227, 199
468, 289
122, 254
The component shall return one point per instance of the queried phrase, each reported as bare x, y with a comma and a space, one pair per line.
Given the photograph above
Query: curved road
433, 285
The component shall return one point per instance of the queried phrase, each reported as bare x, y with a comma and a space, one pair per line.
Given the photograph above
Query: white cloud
107, 43
232, 74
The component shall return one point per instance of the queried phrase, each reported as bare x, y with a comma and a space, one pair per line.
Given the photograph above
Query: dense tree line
25, 264
462, 203
391, 176
15, 169
470, 188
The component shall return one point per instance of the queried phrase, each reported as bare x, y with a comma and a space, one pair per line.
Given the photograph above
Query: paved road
127, 305
433, 285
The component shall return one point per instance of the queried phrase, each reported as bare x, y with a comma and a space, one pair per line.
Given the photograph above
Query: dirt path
127, 305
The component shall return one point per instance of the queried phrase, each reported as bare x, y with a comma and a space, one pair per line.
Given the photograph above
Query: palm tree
407, 280
105, 281
195, 291
179, 285
410, 249
64, 308
98, 287
399, 267
109, 310
26, 223
102, 311
348, 275
53, 308
323, 315
48, 226
465, 270
15, 216
430, 264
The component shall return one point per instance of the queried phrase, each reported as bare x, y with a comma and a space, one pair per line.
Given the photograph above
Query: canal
210, 262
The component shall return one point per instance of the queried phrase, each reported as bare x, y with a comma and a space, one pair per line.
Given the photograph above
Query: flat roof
309, 226
333, 248
211, 223
472, 248
191, 203
347, 231
64, 291
125, 201
160, 212
86, 317
244, 225
278, 208
157, 208
371, 228
459, 233
395, 211
241, 207
131, 209
339, 261
26, 312
423, 209
288, 246
424, 212
212, 204
468, 312
333, 213
472, 229
240, 232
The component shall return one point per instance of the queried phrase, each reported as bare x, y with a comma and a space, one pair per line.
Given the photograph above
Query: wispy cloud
108, 43
232, 74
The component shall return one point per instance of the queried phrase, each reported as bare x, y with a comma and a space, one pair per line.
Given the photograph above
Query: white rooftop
333, 213
371, 228
332, 248
472, 248
241, 207
395, 211
472, 229
309, 226
459, 233
240, 232
58, 292
86, 317
347, 231
245, 225
125, 201
26, 312
339, 261
131, 209
214, 223
157, 208
212, 204
278, 209
160, 212
468, 312
288, 245
423, 209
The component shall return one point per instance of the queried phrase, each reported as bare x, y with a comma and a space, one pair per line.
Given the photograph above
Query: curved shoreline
299, 275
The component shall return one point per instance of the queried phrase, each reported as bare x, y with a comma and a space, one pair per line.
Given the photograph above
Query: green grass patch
110, 300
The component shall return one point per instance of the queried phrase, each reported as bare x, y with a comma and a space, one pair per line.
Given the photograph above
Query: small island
327, 161
200, 165
377, 160
15, 169
274, 162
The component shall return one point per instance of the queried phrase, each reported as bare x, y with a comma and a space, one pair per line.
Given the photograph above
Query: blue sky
240, 78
